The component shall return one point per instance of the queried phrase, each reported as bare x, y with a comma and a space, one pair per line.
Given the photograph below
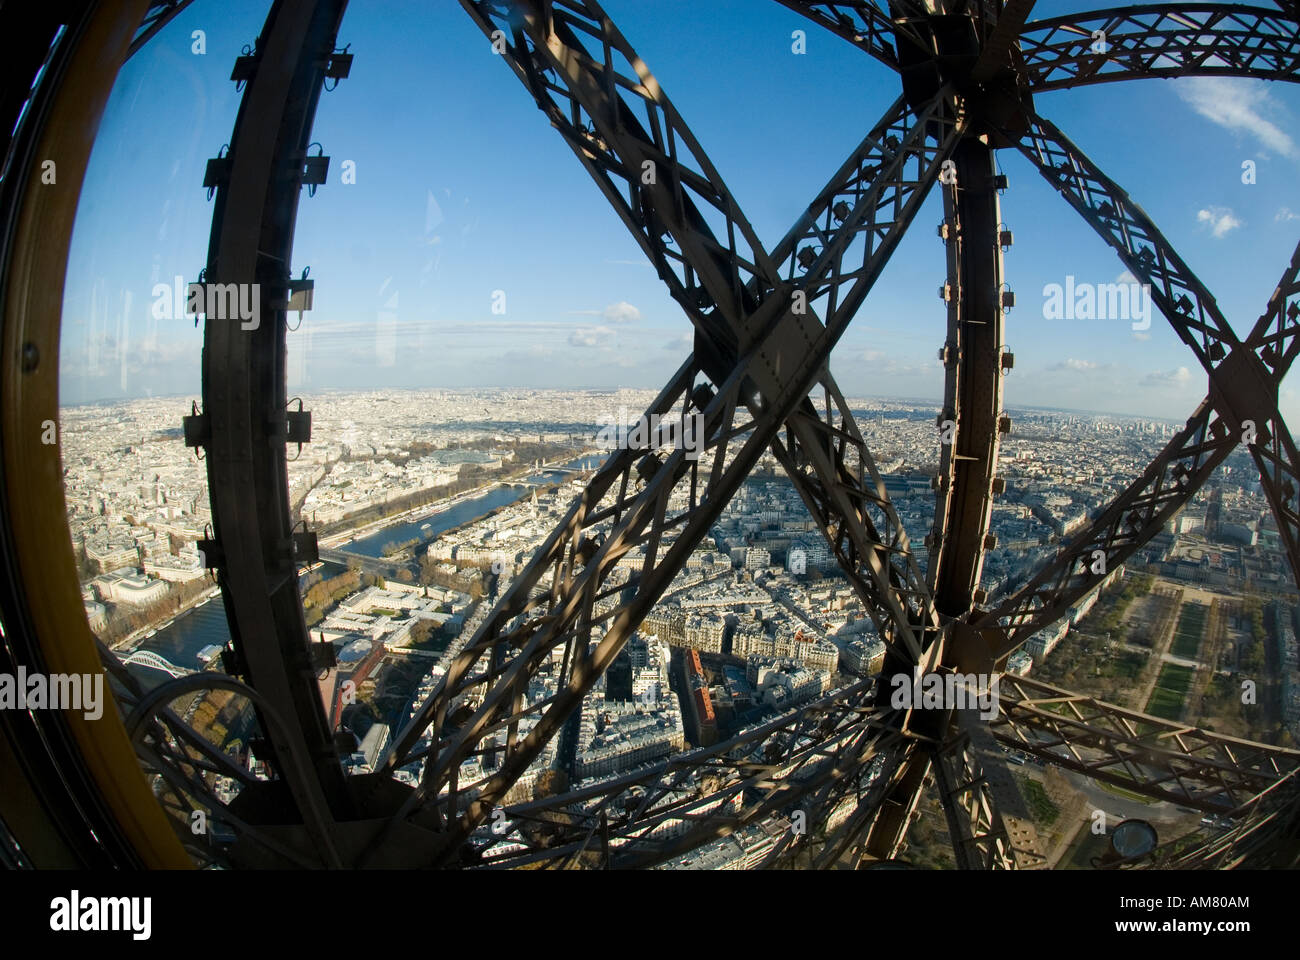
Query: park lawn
1127, 665
1167, 698
1191, 627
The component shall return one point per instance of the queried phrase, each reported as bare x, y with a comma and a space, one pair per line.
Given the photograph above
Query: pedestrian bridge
147, 658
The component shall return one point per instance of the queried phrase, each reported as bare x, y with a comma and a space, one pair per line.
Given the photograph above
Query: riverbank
129, 643
428, 511
428, 523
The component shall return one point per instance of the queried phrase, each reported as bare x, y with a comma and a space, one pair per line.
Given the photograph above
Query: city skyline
327, 392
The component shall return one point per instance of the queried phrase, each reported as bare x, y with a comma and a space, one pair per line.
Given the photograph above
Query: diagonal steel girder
1143, 509
826, 460
970, 424
1161, 40
979, 836
844, 187
1000, 41
816, 293
870, 25
876, 826
1208, 39
1181, 469
854, 791
851, 843
1243, 384
774, 387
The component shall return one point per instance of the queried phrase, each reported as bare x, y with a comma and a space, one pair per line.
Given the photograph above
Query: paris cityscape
428, 503
429, 445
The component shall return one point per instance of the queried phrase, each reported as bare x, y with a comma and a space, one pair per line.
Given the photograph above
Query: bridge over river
376, 566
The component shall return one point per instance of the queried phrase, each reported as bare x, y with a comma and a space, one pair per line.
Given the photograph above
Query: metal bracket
303, 547
232, 663
211, 554
245, 68
314, 171
197, 428
323, 656
338, 65
216, 173
298, 424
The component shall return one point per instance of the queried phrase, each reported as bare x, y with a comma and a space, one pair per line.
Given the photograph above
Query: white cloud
1070, 363
621, 312
1221, 220
885, 365
1285, 214
590, 336
1163, 378
1239, 105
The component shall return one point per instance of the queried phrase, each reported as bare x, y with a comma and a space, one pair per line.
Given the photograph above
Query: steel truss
846, 766
1172, 761
1161, 40
1267, 838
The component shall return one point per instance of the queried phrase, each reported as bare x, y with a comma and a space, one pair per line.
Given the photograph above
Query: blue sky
463, 189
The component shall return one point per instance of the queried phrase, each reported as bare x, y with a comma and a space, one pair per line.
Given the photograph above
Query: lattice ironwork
1172, 761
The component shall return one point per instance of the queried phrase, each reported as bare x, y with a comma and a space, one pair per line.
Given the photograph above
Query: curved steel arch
68, 801
1143, 40
1161, 40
